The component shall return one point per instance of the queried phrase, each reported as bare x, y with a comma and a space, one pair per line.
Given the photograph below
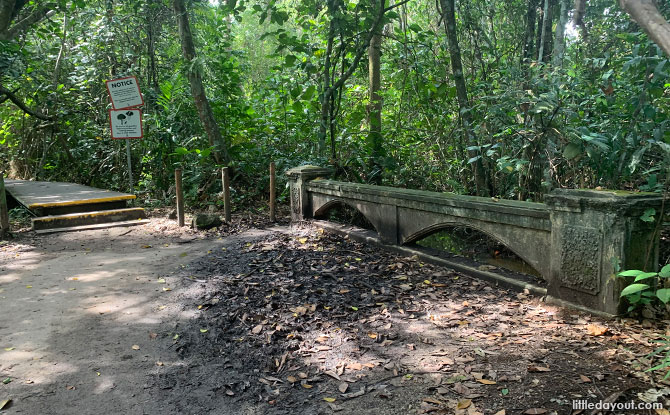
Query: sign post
125, 120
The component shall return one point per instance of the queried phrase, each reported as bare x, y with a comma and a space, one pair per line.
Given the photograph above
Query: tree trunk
559, 41
543, 31
449, 16
645, 13
531, 16
220, 152
325, 96
375, 108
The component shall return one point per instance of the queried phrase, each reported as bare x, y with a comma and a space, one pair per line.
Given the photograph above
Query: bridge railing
578, 239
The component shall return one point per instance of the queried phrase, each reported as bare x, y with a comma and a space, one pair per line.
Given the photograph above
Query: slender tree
449, 16
194, 74
375, 106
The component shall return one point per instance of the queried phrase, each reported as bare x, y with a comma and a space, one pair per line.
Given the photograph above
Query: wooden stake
4, 214
272, 192
180, 197
225, 175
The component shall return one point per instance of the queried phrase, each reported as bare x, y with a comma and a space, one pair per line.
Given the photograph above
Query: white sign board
126, 123
125, 93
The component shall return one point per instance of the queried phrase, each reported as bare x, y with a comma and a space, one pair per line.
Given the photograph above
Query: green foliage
656, 287
601, 119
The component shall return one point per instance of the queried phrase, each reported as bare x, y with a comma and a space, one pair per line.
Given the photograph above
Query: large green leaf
645, 275
665, 272
663, 294
633, 288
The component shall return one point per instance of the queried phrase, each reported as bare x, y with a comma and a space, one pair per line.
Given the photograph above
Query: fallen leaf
135, 347
659, 411
533, 368
302, 375
161, 280
159, 364
7, 380
535, 411
30, 381
71, 387
29, 286
203, 330
596, 330
183, 254
585, 379
302, 240
176, 336
463, 403
342, 387
9, 349
4, 404
146, 246
372, 335
257, 329
331, 400
167, 289
486, 381
292, 379
501, 412
307, 386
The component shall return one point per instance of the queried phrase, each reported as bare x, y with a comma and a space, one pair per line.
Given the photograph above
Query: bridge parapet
576, 240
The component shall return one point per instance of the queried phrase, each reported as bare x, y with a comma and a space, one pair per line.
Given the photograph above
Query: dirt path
151, 320
76, 306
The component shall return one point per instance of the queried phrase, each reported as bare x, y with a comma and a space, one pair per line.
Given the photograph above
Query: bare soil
254, 318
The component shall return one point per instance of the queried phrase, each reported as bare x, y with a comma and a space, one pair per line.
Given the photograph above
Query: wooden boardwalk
40, 195
60, 206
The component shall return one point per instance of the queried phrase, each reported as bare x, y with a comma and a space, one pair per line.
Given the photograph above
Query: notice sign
125, 93
126, 123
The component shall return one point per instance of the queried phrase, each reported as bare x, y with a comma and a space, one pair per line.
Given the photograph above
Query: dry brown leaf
463, 403
535, 411
533, 368
307, 386
486, 381
342, 387
372, 335
585, 379
433, 401
159, 363
302, 375
257, 329
662, 411
292, 379
596, 330
329, 400
500, 412
135, 347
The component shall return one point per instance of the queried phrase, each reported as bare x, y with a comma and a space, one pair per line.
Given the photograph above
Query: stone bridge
576, 240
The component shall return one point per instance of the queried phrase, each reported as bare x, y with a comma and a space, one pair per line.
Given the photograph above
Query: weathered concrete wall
4, 213
575, 241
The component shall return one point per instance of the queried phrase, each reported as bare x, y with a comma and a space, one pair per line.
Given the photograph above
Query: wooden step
87, 218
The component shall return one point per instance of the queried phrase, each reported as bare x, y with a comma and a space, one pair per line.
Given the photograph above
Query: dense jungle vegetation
499, 98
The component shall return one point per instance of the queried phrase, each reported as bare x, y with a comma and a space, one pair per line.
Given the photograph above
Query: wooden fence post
4, 214
272, 192
225, 176
180, 197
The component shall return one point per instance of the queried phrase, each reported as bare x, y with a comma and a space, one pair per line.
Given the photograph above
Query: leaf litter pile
305, 322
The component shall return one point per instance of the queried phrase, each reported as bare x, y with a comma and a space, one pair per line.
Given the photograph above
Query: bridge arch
502, 239
325, 208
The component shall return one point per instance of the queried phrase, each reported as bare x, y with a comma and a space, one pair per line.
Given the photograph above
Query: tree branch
645, 13
38, 14
10, 95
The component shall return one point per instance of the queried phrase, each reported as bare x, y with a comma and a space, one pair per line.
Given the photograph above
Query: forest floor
257, 318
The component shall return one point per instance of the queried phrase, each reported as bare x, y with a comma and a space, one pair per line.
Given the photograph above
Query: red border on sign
138, 91
111, 130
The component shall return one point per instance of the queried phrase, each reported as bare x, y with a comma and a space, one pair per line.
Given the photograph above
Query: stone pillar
4, 216
592, 232
301, 208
